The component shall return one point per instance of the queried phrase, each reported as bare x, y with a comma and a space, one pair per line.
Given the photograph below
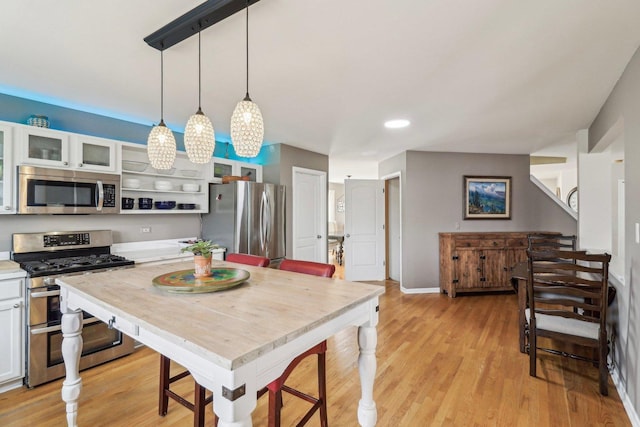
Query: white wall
594, 200
623, 107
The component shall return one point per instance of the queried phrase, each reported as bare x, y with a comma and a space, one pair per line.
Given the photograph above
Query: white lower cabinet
12, 327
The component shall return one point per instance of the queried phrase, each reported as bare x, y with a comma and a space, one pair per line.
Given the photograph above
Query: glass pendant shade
247, 128
199, 138
161, 147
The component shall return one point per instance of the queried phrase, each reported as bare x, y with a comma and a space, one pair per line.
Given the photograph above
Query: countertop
155, 250
10, 270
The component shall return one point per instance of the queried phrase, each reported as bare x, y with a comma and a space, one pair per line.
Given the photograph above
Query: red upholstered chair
276, 387
200, 399
258, 261
308, 267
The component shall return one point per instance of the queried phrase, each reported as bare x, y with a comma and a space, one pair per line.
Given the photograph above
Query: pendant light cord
162, 86
247, 48
199, 74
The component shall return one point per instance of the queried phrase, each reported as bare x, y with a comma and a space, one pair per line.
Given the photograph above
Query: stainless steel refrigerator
247, 217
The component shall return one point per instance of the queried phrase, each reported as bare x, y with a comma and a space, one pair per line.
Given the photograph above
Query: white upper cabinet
43, 147
7, 205
224, 167
58, 149
95, 154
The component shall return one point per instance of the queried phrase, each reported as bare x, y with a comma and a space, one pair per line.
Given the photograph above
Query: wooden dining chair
568, 303
552, 241
200, 400
276, 387
537, 242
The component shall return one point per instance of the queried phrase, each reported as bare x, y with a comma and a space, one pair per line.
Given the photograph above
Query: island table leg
367, 340
71, 350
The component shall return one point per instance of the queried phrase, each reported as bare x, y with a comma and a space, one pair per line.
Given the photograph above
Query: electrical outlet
146, 229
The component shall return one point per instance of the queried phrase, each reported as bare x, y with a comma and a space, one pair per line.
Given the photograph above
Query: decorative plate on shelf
185, 282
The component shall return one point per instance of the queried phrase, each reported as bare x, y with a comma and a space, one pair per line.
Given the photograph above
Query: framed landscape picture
487, 197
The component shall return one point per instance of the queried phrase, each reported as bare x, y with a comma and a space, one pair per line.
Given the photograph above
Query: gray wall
278, 169
624, 103
431, 197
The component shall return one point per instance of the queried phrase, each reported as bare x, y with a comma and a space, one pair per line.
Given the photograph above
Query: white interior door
393, 227
364, 230
309, 215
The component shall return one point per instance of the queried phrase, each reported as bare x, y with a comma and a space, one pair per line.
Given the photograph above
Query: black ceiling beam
198, 18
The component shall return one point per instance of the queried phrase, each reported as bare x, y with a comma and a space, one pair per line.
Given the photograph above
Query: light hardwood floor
441, 361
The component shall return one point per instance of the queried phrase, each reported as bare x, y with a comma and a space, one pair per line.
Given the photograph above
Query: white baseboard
628, 405
419, 290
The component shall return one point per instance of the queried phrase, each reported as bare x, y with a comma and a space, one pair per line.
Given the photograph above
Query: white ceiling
497, 76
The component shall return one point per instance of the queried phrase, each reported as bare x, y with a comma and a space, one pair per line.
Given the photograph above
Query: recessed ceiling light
396, 124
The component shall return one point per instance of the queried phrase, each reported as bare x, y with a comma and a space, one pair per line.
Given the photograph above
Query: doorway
309, 188
394, 236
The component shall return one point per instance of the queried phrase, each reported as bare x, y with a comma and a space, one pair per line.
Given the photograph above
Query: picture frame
487, 197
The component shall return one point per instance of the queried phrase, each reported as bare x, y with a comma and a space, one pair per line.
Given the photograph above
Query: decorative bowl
131, 183
127, 203
190, 173
190, 187
130, 165
38, 121
186, 206
165, 171
165, 204
163, 185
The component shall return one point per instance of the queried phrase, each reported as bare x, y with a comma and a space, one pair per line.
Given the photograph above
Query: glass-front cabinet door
44, 147
95, 153
254, 172
222, 167
7, 204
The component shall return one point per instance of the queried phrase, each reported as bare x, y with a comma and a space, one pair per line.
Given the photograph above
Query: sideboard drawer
517, 243
479, 243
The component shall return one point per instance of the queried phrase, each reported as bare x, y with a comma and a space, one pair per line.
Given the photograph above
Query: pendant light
247, 127
161, 144
199, 137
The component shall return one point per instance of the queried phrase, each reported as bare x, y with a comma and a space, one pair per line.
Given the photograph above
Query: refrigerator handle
267, 230
262, 225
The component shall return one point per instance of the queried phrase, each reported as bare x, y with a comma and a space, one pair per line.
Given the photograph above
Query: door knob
319, 236
348, 235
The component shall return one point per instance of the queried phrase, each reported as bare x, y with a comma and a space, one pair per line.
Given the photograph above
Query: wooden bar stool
200, 400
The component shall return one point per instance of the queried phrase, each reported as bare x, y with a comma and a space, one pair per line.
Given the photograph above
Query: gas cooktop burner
72, 264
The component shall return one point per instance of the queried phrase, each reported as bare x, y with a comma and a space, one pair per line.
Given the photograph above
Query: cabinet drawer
517, 243
479, 243
10, 289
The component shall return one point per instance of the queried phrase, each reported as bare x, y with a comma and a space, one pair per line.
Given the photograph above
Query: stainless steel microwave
60, 191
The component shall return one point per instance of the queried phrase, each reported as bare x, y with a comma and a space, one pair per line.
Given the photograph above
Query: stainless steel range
45, 257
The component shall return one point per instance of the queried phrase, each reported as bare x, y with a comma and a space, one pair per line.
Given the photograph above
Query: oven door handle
100, 196
56, 328
45, 294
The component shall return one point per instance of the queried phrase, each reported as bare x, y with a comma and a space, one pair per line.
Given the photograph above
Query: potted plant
202, 256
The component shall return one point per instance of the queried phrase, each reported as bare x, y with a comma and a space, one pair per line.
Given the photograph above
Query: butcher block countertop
231, 327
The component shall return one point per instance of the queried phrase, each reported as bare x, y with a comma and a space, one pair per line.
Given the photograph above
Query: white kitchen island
233, 342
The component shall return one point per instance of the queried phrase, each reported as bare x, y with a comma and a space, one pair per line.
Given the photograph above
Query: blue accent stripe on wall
18, 109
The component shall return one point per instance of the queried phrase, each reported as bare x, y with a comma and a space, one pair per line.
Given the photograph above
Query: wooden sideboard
479, 262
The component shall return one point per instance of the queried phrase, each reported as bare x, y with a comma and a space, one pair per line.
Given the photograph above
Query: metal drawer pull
55, 328
45, 294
